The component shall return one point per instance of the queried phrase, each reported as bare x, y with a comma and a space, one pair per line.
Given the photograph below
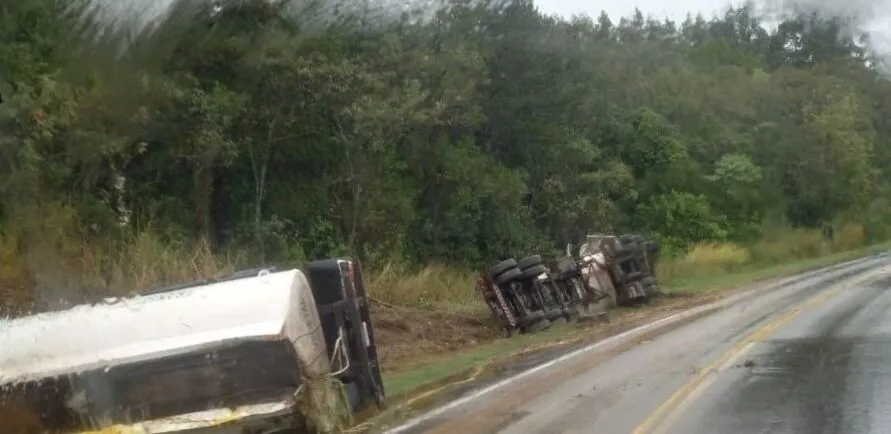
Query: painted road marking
414, 422
684, 395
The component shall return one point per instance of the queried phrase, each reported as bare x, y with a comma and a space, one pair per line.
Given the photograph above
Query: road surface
809, 355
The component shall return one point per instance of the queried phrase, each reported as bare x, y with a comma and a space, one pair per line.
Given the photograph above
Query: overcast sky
675, 9
873, 16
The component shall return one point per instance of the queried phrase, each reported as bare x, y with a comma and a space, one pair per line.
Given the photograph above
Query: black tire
507, 276
563, 320
554, 314
650, 286
537, 326
652, 248
532, 317
529, 261
626, 250
534, 271
501, 267
626, 239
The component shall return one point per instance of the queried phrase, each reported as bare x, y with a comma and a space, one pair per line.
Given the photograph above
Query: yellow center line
692, 387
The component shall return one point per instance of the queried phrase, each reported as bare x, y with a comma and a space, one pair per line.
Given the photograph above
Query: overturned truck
259, 352
529, 295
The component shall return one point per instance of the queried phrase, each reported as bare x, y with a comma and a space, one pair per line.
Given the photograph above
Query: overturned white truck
234, 355
528, 296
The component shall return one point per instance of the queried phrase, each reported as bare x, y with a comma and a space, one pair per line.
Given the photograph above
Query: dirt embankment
408, 334
405, 334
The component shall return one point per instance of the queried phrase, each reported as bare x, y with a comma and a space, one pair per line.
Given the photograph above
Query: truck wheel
554, 314
537, 326
529, 261
534, 271
531, 318
652, 248
650, 286
507, 276
624, 252
501, 267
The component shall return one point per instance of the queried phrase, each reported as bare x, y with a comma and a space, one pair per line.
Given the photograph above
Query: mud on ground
406, 334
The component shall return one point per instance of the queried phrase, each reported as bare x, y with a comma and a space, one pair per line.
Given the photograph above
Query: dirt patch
404, 334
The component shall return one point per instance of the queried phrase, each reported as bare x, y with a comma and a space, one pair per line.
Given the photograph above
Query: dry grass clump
779, 248
708, 258
145, 261
432, 285
789, 245
324, 404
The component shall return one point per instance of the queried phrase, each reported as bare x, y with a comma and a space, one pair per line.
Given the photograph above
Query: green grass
721, 281
441, 369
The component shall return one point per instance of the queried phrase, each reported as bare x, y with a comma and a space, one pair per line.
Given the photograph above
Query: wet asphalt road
809, 355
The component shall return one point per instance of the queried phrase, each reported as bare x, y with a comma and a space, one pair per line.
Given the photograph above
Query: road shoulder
512, 356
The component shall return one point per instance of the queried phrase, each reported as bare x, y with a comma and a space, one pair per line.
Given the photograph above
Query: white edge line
411, 423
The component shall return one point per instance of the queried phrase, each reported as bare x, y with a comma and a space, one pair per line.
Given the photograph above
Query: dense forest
459, 135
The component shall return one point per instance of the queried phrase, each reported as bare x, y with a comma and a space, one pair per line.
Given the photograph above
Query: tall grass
56, 274
145, 262
781, 247
40, 277
53, 276
433, 285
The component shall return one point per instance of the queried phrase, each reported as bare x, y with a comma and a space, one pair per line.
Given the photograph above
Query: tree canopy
464, 135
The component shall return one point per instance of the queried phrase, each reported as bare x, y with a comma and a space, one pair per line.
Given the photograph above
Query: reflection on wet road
809, 355
829, 371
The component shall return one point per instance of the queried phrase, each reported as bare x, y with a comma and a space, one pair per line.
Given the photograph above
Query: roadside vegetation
430, 145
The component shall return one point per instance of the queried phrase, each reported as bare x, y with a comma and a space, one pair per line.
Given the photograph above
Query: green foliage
460, 137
